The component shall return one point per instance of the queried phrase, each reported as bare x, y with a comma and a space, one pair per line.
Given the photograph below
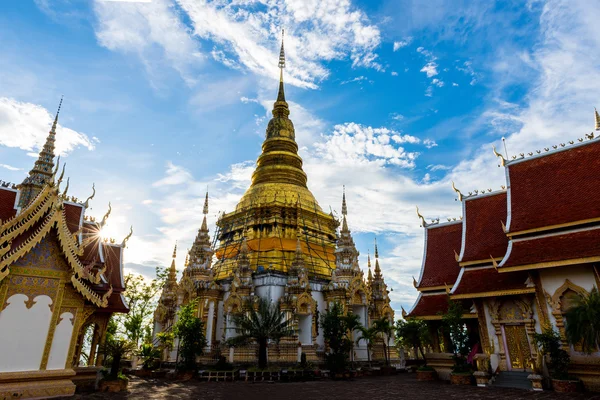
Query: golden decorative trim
483, 262
550, 264
492, 293
431, 288
440, 317
551, 227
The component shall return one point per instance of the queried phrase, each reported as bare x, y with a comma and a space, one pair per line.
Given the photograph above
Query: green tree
413, 333
190, 331
459, 337
550, 345
369, 336
583, 321
385, 328
165, 341
141, 297
353, 324
335, 333
115, 350
149, 354
261, 324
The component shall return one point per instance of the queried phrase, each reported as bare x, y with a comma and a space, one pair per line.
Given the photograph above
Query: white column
209, 322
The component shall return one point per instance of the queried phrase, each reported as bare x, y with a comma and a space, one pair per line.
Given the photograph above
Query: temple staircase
513, 379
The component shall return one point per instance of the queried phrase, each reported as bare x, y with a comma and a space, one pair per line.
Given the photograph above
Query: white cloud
429, 143
394, 73
430, 69
26, 126
357, 79
152, 31
402, 43
10, 167
397, 117
245, 36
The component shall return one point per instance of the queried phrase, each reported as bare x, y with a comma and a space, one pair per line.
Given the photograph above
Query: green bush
550, 345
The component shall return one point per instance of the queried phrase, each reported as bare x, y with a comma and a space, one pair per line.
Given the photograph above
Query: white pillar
209, 322
231, 353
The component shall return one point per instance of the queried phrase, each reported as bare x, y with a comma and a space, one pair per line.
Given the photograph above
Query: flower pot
113, 386
460, 379
536, 382
482, 378
565, 386
427, 375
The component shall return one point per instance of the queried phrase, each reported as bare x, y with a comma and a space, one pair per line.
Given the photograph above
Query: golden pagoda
276, 206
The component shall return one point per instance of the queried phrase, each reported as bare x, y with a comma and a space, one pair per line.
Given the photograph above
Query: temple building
277, 244
58, 280
518, 256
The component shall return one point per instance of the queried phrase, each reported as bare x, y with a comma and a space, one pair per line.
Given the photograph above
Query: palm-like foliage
413, 333
369, 336
352, 322
261, 324
116, 349
385, 328
583, 321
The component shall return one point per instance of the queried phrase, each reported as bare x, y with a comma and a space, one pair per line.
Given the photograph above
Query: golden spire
281, 94
173, 270
377, 268
344, 212
595, 114
204, 227
42, 169
370, 275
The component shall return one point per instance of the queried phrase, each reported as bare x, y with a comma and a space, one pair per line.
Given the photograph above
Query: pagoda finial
376, 251
597, 119
175, 250
344, 208
369, 259
56, 116
205, 209
281, 107
173, 270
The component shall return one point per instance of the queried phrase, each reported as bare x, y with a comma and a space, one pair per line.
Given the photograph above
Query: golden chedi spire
370, 275
172, 277
42, 169
279, 164
200, 255
597, 117
277, 206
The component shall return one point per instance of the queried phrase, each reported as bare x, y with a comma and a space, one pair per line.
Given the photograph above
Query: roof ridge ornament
124, 242
460, 196
500, 156
597, 118
87, 201
423, 223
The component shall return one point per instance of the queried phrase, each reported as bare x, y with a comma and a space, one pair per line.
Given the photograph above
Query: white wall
23, 333
318, 296
360, 349
220, 321
61, 342
305, 326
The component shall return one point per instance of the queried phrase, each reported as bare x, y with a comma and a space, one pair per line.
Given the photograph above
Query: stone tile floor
372, 388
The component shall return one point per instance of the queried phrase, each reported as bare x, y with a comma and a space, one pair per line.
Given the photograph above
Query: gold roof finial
460, 197
597, 119
423, 223
344, 208
500, 156
175, 250
205, 209
56, 116
281, 93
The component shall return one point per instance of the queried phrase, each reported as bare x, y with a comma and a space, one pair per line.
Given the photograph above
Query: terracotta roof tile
481, 280
482, 227
112, 257
559, 188
554, 248
440, 266
7, 203
431, 305
73, 216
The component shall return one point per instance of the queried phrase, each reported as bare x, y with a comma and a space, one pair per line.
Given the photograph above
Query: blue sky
393, 99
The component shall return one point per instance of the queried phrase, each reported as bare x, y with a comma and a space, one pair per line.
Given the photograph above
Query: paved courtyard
373, 388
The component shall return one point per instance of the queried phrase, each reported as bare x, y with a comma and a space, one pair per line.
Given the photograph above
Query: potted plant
190, 331
113, 380
414, 333
462, 373
558, 363
149, 355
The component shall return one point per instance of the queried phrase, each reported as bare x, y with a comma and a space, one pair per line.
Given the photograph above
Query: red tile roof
482, 227
479, 282
558, 188
73, 216
553, 248
429, 305
439, 265
434, 305
112, 257
7, 203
